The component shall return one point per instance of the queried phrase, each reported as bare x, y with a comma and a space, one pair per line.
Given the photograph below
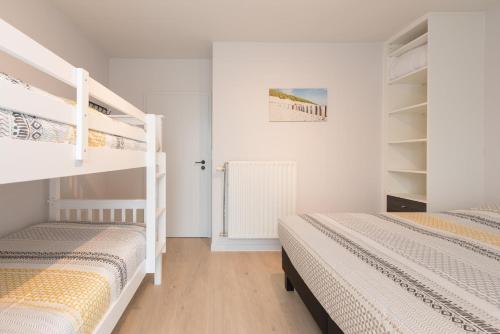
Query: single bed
63, 277
397, 272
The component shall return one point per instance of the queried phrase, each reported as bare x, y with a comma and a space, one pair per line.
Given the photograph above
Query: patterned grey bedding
19, 125
62, 277
401, 272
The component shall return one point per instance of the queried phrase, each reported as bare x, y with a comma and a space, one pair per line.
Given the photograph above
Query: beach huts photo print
298, 104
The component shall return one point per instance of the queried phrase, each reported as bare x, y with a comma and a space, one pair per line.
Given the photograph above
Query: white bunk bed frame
29, 160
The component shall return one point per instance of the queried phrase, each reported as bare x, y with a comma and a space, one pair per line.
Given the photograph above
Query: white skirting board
244, 245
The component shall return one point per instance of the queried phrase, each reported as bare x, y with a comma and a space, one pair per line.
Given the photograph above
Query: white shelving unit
432, 144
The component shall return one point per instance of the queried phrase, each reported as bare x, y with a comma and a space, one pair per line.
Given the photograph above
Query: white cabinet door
186, 141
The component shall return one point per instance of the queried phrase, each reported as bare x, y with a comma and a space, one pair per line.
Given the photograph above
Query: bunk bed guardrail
22, 47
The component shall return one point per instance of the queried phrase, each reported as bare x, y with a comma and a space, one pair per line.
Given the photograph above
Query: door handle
200, 162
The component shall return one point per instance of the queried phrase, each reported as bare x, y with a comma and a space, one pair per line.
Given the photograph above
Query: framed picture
298, 104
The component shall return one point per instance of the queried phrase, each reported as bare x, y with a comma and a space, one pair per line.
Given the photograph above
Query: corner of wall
492, 105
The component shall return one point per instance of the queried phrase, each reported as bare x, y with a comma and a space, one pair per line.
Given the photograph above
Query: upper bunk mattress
62, 277
401, 272
20, 125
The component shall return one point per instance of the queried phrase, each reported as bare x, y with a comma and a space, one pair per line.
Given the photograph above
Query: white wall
22, 204
134, 79
492, 105
339, 161
40, 20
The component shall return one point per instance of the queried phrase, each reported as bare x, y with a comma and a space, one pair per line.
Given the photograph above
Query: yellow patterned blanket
62, 277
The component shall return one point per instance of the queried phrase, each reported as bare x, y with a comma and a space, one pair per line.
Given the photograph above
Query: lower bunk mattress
62, 277
401, 272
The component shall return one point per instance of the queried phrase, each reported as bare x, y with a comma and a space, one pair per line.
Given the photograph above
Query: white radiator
256, 194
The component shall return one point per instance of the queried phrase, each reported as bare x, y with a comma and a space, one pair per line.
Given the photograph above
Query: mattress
408, 62
401, 272
62, 277
18, 125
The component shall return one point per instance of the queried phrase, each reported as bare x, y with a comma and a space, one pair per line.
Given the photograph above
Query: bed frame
293, 281
28, 159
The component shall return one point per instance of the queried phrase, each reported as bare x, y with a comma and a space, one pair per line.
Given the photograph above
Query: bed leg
288, 284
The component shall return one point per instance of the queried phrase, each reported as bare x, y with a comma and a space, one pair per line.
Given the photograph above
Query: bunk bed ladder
154, 205
155, 199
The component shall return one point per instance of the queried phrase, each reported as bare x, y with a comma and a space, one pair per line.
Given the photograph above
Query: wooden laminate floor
216, 293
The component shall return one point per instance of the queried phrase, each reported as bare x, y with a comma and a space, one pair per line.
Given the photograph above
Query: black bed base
294, 281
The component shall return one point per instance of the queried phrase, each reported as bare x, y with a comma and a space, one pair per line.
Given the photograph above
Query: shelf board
416, 108
412, 197
408, 171
416, 77
409, 141
419, 41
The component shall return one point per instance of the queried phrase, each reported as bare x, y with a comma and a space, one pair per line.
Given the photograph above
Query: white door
186, 141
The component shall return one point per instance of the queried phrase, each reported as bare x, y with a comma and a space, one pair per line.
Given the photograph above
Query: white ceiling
186, 28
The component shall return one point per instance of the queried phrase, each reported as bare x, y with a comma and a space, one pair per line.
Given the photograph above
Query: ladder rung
159, 247
159, 212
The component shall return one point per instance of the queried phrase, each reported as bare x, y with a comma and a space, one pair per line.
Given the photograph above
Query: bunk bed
74, 140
